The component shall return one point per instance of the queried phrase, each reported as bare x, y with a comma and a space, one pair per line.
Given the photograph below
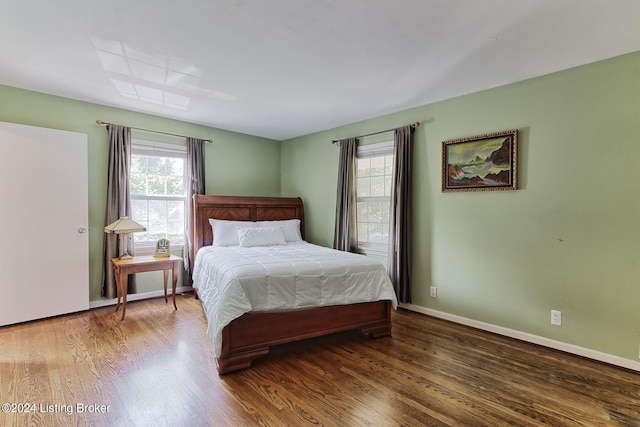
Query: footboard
251, 335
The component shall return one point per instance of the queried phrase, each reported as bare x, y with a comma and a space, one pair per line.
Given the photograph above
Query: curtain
118, 205
345, 237
195, 185
399, 259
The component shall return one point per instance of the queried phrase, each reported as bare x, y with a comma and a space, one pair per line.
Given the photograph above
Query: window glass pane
363, 187
157, 210
385, 232
386, 207
377, 166
156, 165
377, 186
376, 211
138, 183
175, 166
362, 211
363, 167
375, 232
388, 165
175, 211
175, 227
138, 175
363, 231
139, 211
138, 164
387, 185
175, 185
156, 184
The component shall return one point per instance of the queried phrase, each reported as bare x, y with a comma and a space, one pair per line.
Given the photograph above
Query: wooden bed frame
250, 336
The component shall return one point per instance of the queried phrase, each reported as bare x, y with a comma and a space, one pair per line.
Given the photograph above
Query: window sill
150, 250
373, 251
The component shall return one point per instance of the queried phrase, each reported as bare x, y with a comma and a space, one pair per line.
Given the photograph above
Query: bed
238, 342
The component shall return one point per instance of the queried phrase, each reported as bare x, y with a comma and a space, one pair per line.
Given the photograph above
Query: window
158, 194
373, 195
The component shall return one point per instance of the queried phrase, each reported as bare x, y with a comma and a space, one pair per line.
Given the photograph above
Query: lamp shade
123, 225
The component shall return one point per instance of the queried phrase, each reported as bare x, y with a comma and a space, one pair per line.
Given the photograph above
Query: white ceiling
284, 68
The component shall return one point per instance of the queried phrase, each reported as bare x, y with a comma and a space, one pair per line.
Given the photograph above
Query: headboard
240, 208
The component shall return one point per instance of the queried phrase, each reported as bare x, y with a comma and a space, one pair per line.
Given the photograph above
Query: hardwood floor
156, 368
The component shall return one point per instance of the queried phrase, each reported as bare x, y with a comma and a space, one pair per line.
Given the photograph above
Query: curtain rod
100, 122
414, 125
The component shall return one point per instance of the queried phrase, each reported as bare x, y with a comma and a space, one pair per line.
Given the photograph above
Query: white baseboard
523, 336
137, 297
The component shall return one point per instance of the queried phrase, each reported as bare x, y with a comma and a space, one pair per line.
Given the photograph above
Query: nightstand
140, 264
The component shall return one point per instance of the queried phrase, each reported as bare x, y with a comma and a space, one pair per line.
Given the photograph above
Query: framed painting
480, 163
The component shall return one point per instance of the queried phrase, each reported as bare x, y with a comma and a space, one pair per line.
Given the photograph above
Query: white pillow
225, 232
290, 228
260, 236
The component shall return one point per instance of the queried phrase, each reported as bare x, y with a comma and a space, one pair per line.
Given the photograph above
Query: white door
44, 254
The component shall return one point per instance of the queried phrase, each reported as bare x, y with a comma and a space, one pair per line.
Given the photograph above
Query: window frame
159, 149
380, 149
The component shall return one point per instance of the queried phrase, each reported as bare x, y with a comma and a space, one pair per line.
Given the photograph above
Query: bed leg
377, 331
237, 362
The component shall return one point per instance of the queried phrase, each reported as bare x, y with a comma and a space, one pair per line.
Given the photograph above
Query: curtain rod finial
99, 122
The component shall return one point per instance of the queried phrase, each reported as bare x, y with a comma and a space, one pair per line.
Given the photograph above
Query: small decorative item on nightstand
162, 248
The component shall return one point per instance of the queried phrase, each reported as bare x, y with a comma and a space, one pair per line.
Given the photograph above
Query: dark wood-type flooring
156, 368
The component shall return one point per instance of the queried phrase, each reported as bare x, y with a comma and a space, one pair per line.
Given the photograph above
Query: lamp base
124, 238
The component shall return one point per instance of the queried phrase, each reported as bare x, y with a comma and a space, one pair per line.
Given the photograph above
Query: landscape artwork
480, 163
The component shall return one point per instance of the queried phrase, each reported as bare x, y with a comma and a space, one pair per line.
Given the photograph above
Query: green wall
236, 163
566, 240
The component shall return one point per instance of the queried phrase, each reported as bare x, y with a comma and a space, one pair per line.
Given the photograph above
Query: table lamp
124, 226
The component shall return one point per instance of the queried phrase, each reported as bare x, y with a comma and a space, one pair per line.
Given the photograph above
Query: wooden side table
139, 264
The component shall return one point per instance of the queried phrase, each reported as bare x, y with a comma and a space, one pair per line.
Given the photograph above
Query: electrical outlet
556, 317
433, 292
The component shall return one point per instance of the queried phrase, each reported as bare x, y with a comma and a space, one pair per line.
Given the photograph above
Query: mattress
233, 280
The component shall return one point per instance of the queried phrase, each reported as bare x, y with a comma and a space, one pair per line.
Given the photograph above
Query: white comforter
233, 280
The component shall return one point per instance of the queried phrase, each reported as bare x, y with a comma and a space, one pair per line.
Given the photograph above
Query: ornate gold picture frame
480, 163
